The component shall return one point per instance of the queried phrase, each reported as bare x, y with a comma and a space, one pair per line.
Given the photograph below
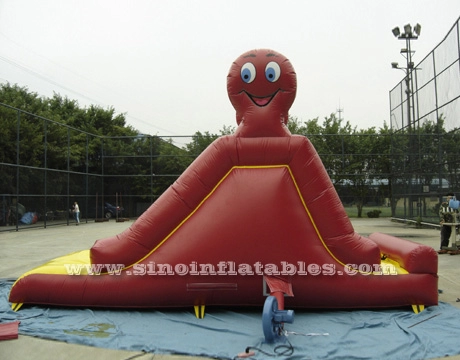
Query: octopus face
261, 82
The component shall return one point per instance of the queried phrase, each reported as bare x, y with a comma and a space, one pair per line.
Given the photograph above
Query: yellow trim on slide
400, 271
203, 201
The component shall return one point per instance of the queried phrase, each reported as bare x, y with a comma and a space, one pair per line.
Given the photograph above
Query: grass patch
352, 211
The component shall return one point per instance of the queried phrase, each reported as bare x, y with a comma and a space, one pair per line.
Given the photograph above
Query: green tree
199, 143
361, 168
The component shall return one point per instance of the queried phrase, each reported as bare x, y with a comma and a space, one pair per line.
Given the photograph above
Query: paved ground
26, 249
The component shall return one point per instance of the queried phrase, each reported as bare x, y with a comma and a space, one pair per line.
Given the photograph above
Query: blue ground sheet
223, 333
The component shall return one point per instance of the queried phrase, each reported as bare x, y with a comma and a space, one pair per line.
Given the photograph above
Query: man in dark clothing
447, 215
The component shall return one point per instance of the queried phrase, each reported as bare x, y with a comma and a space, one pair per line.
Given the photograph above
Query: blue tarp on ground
363, 334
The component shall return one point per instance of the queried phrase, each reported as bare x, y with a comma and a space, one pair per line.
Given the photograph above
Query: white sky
164, 62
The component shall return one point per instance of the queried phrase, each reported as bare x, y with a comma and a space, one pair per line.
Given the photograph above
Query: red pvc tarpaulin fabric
9, 330
255, 213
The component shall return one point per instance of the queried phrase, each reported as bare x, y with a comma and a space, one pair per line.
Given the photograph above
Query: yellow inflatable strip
391, 267
72, 264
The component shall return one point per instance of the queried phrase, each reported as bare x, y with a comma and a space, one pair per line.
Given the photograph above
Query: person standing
446, 215
76, 211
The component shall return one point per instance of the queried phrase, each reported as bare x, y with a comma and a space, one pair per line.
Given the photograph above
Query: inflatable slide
255, 214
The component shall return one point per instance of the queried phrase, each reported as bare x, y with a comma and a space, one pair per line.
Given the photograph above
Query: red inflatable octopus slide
255, 214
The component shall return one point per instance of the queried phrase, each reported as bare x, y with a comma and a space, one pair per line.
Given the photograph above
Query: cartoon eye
272, 71
248, 73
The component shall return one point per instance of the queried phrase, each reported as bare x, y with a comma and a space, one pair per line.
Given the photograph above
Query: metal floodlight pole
408, 35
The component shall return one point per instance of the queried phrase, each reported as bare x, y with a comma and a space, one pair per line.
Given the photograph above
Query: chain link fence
434, 89
109, 177
425, 119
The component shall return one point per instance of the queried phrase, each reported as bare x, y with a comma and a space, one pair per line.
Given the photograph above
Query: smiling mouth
261, 100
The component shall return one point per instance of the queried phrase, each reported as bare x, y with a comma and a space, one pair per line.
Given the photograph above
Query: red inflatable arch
255, 213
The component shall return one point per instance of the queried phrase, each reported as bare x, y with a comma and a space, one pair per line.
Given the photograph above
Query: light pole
408, 35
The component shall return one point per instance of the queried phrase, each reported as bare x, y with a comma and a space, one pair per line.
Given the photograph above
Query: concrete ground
26, 249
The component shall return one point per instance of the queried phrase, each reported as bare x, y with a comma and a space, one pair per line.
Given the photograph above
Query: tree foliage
352, 157
372, 166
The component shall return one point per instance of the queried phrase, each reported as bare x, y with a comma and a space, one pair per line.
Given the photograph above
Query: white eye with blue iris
272, 71
248, 73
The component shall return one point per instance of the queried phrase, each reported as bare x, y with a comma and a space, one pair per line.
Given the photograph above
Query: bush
374, 214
